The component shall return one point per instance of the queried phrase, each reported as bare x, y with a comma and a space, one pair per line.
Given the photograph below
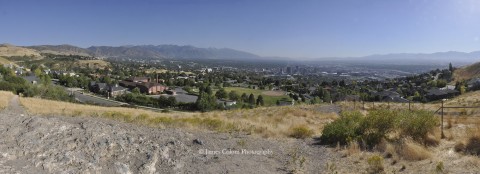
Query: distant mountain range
149, 51
440, 58
191, 52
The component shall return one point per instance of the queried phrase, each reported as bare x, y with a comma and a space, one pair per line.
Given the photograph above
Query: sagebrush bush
417, 124
376, 125
369, 130
375, 164
301, 132
342, 130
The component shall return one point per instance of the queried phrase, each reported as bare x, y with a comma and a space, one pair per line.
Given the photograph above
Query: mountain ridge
170, 51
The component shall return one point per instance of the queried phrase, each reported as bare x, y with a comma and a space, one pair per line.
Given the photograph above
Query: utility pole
443, 135
409, 106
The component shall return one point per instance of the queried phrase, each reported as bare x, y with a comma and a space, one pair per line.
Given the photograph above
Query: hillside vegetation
467, 72
5, 61
7, 50
5, 98
265, 122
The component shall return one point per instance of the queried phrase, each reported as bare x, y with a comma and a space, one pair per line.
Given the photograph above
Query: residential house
385, 95
285, 102
115, 90
474, 84
437, 94
226, 103
138, 79
100, 88
151, 88
448, 87
32, 79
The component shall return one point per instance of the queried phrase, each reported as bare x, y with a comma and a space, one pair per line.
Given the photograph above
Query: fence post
409, 106
443, 135
373, 105
363, 103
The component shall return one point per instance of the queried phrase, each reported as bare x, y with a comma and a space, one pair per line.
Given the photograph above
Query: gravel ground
39, 144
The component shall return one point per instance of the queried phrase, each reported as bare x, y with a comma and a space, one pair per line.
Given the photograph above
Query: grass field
5, 97
270, 97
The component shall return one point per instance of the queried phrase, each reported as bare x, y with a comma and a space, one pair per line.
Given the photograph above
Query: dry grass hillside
61, 50
7, 50
5, 98
467, 72
96, 64
452, 154
5, 61
300, 122
457, 152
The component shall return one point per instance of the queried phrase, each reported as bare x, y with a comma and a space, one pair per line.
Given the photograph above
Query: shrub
301, 132
376, 125
375, 164
417, 124
342, 130
440, 168
473, 145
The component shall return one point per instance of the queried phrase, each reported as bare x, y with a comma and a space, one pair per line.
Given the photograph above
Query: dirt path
14, 107
37, 144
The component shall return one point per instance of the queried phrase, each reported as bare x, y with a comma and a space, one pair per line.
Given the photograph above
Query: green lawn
268, 99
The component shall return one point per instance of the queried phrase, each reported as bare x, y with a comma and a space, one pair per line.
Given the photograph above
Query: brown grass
5, 97
7, 50
265, 121
92, 63
411, 151
5, 61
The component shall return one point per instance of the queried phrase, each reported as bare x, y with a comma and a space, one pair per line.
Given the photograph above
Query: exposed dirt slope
7, 50
39, 144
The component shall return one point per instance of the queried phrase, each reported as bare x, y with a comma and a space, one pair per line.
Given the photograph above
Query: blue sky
287, 28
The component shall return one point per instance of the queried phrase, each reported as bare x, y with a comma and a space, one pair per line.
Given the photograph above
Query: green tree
208, 90
327, 97
206, 102
233, 95
251, 99
172, 101
315, 100
38, 72
244, 97
260, 101
221, 93
136, 90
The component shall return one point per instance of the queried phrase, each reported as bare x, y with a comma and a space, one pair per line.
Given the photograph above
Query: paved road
86, 98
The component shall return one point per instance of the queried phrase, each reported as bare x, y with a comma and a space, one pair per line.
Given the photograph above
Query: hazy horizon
305, 29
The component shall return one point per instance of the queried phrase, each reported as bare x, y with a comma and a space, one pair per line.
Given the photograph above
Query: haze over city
297, 29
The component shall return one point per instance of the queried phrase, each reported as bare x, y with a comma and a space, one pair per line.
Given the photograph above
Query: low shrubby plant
342, 130
371, 129
375, 164
301, 132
